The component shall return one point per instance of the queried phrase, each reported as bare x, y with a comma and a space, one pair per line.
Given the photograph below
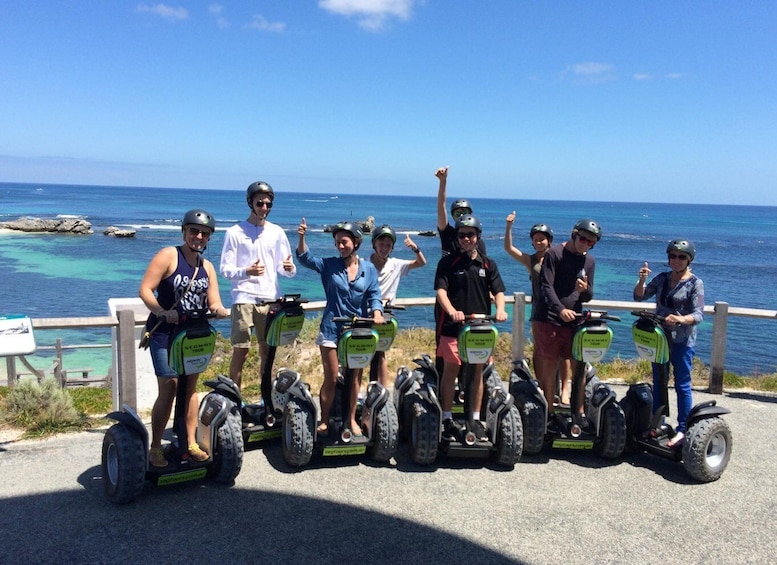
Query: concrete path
556, 507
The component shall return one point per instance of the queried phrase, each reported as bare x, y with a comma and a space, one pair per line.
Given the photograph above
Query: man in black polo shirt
464, 283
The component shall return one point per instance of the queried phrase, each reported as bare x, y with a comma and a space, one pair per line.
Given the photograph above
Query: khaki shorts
245, 317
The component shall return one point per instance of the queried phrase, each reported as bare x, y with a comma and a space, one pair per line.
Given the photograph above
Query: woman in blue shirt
351, 288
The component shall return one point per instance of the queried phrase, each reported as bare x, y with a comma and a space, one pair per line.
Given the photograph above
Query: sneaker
450, 430
156, 456
677, 440
196, 453
477, 428
584, 423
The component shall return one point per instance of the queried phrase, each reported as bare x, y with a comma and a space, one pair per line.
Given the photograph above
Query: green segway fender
191, 349
284, 325
356, 347
387, 331
477, 343
650, 342
590, 344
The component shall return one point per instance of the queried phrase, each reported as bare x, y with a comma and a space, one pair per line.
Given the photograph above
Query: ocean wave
71, 216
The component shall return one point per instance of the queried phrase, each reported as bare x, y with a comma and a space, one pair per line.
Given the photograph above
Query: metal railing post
718, 351
519, 325
126, 379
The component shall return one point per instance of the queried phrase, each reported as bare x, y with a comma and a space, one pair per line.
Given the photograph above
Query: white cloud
216, 11
262, 24
675, 76
643, 76
592, 69
164, 11
370, 14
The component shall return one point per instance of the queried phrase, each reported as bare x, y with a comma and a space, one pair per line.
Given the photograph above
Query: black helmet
682, 246
199, 218
384, 230
461, 203
469, 221
261, 187
351, 228
590, 226
541, 228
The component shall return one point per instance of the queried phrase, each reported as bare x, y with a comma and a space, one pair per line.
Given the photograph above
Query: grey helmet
469, 221
682, 246
351, 228
384, 230
588, 225
462, 203
541, 228
259, 187
199, 218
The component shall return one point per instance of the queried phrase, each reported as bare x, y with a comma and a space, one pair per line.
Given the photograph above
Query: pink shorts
552, 343
448, 349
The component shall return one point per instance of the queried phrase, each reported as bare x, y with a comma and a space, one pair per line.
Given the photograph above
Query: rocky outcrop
57, 225
117, 232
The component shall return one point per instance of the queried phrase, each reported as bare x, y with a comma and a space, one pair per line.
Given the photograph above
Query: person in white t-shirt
390, 270
255, 254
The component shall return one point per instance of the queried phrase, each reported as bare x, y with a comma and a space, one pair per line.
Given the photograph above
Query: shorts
552, 343
158, 348
448, 349
245, 317
322, 341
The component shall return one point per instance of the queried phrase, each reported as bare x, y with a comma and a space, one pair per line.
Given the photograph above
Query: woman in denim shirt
680, 299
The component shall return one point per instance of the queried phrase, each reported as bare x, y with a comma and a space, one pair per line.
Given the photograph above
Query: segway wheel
228, 454
509, 439
299, 422
386, 434
533, 422
612, 440
707, 449
123, 464
424, 433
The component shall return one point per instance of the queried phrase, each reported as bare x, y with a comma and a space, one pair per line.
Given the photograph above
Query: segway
706, 449
605, 432
356, 347
125, 450
284, 322
416, 396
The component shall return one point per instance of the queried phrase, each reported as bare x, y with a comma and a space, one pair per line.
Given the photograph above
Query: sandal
322, 429
156, 456
196, 453
677, 440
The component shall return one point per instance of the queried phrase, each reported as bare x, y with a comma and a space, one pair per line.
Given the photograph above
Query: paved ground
556, 507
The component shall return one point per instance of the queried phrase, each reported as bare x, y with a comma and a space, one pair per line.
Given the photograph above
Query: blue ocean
48, 276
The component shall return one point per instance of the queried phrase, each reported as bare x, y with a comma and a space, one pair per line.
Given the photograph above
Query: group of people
256, 253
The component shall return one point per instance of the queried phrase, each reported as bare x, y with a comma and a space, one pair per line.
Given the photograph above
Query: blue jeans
681, 358
158, 348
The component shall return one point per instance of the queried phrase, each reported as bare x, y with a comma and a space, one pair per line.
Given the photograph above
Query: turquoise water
60, 275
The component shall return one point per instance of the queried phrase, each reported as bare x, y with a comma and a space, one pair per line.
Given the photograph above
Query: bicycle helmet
541, 228
352, 229
682, 246
469, 221
589, 225
461, 203
259, 187
199, 218
384, 230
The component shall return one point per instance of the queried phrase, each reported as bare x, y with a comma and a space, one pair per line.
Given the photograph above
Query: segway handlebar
586, 315
286, 298
649, 315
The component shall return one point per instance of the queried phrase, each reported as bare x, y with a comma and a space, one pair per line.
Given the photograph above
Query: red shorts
552, 343
448, 349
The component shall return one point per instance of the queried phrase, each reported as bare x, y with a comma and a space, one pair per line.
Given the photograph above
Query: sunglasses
196, 231
461, 212
466, 234
584, 239
678, 256
262, 204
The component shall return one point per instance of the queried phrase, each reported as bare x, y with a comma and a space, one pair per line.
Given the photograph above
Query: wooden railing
125, 347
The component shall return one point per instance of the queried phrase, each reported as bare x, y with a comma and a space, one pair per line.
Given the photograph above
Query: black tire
628, 411
509, 439
533, 422
404, 414
707, 449
612, 440
228, 451
123, 464
299, 422
424, 433
385, 436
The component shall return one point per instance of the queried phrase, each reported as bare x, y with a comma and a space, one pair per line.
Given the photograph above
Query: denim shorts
158, 349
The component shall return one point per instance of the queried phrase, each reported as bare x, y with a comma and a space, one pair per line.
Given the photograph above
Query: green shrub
732, 380
41, 408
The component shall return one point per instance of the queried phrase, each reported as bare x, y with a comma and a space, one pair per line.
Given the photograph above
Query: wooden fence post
519, 325
718, 353
126, 379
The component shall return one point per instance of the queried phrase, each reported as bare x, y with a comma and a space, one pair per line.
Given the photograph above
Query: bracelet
416, 250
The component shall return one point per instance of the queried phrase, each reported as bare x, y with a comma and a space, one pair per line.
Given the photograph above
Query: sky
647, 101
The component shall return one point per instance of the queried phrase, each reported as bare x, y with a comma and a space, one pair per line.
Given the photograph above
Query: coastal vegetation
41, 409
